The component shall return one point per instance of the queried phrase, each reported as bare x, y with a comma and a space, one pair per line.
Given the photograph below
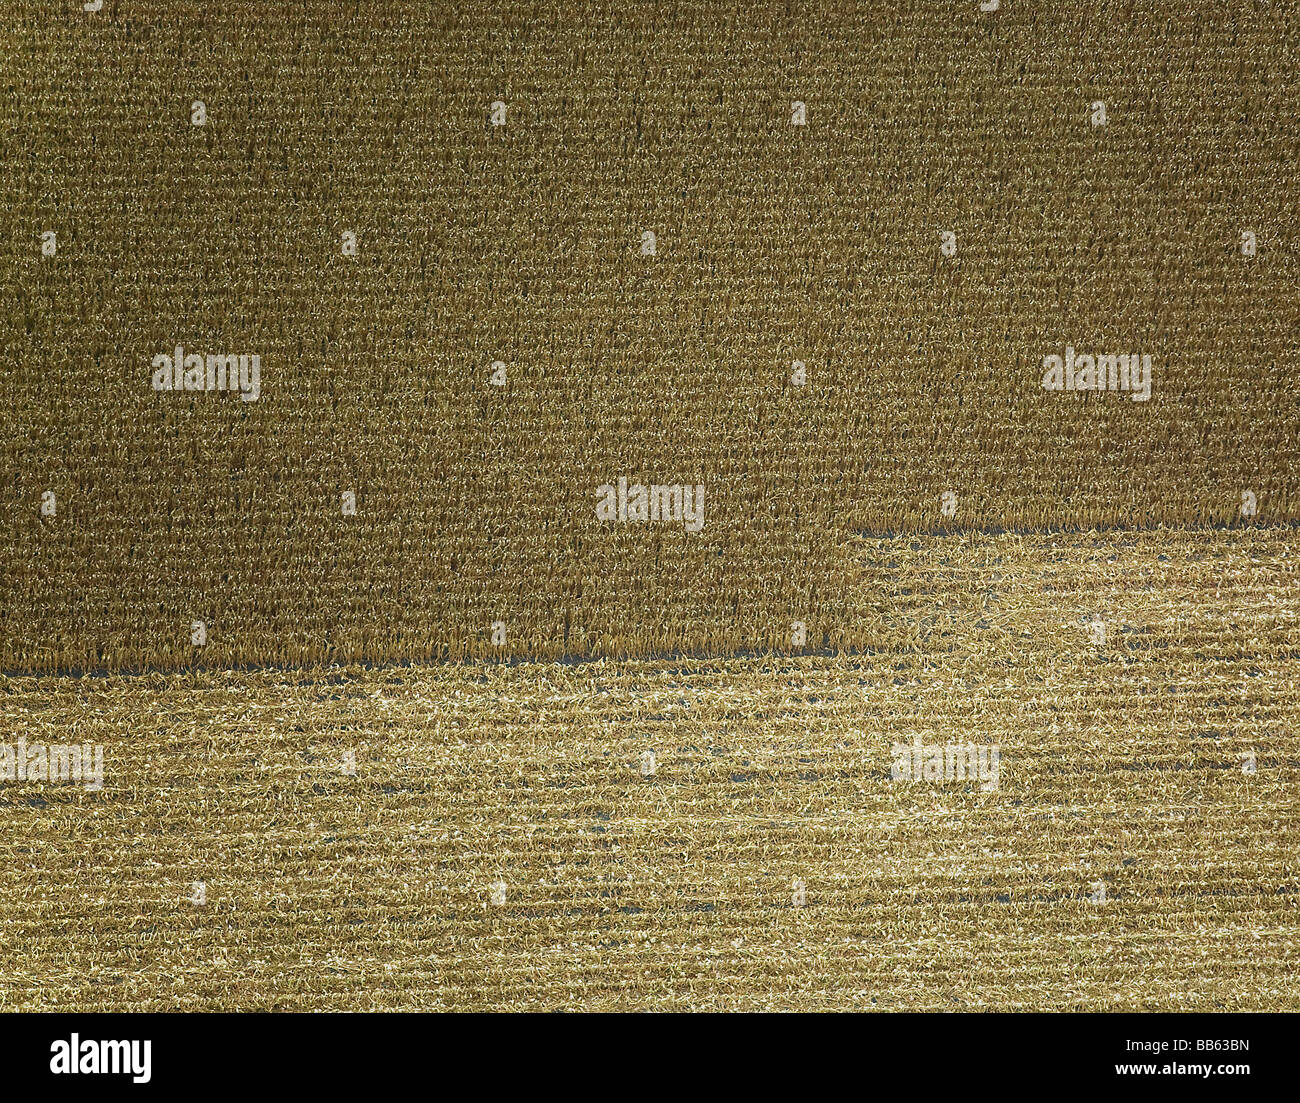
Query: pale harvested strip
1121, 764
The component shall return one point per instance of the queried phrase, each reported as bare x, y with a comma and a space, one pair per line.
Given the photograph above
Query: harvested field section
631, 884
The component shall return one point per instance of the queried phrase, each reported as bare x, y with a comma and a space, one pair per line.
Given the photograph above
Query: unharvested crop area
519, 244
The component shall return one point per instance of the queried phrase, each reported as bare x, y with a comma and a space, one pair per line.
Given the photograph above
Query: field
521, 244
919, 684
368, 882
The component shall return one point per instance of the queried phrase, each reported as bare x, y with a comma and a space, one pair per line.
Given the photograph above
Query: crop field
488, 259
687, 833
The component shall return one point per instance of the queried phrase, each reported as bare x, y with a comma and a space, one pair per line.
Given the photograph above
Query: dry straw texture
640, 831
521, 243
1121, 765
